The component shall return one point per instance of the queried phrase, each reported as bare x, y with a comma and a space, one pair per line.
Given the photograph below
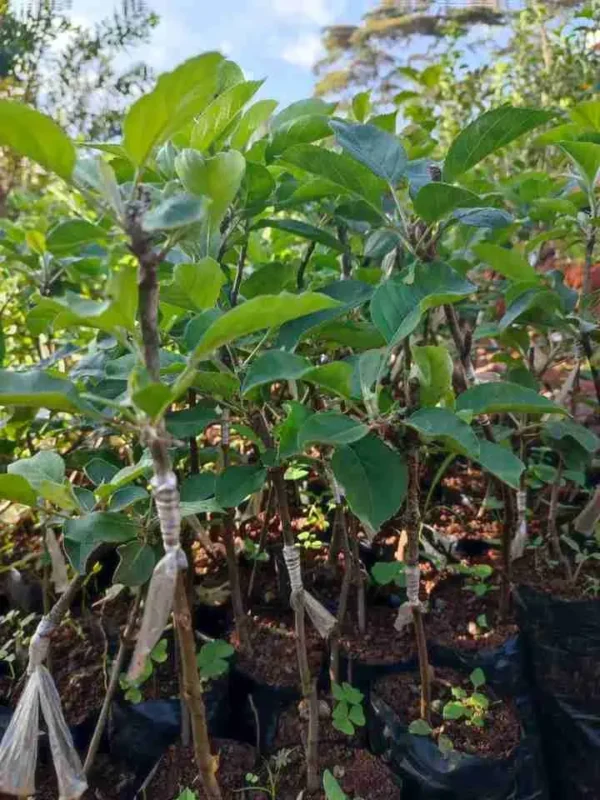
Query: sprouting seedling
384, 572
420, 727
253, 551
187, 794
477, 576
333, 791
470, 707
581, 554
213, 658
309, 540
274, 766
348, 711
482, 622
132, 687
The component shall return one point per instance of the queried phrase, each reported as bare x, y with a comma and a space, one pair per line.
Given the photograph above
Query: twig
117, 666
310, 249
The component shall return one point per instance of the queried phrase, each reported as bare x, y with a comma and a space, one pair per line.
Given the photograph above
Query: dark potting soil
273, 659
381, 643
107, 782
454, 611
501, 731
291, 728
359, 773
178, 771
535, 570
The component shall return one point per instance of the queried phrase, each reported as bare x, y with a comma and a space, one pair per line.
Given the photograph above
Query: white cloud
315, 12
305, 51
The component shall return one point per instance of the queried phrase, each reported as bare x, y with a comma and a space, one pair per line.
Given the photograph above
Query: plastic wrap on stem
158, 606
19, 745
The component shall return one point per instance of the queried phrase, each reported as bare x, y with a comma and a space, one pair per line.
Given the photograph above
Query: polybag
562, 647
19, 745
427, 774
161, 592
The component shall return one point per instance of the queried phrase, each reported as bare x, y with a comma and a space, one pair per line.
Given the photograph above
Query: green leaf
287, 431
509, 263
175, 212
36, 136
274, 365
269, 279
453, 711
192, 421
501, 462
434, 367
333, 791
218, 178
177, 98
443, 424
302, 108
212, 659
337, 168
350, 294
361, 105
153, 399
136, 562
126, 475
159, 652
483, 217
200, 282
100, 471
187, 794
336, 377
374, 479
17, 489
235, 484
302, 229
544, 299
435, 200
251, 120
419, 727
301, 130
257, 187
487, 134
586, 156
356, 716
331, 427
398, 304
477, 677
85, 534
43, 466
343, 724
569, 429
266, 311
217, 116
72, 235
501, 396
126, 497
384, 572
381, 152
216, 384
198, 488
35, 389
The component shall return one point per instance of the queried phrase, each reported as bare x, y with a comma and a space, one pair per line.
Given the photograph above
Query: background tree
385, 51
70, 70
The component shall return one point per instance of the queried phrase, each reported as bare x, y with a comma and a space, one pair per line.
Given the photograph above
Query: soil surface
381, 643
535, 570
454, 611
273, 659
498, 737
360, 774
178, 771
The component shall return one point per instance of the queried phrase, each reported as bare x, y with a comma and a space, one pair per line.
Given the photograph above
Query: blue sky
274, 39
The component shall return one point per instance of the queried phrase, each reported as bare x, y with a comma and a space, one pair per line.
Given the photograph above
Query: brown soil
453, 614
178, 771
381, 644
273, 659
291, 729
498, 737
360, 774
535, 571
106, 782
